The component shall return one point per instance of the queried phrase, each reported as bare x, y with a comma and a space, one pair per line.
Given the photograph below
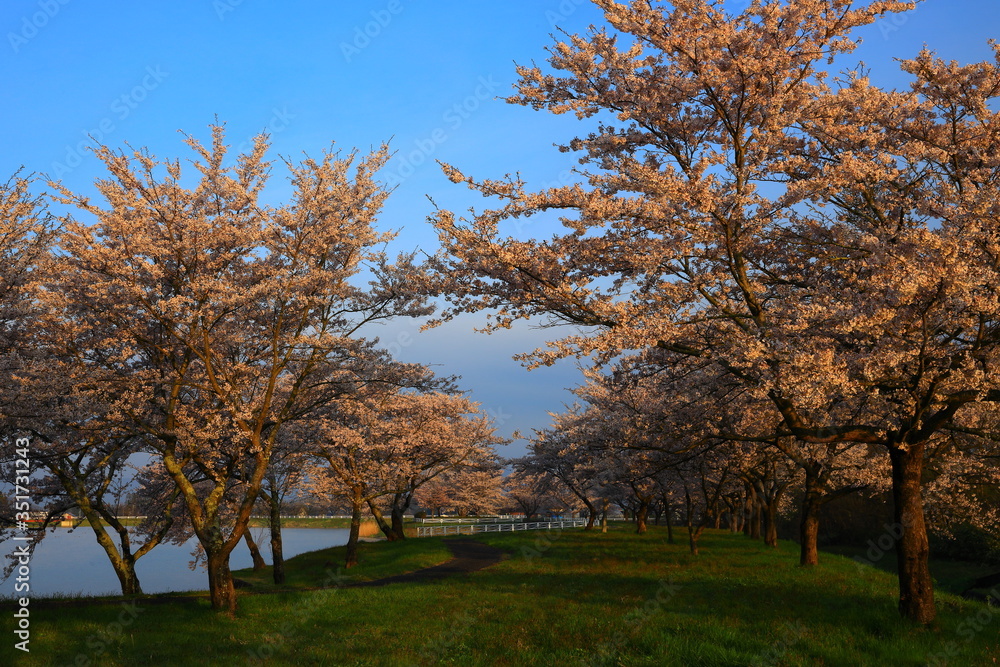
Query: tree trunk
731, 514
352, 541
641, 516
604, 515
591, 515
667, 510
277, 555
397, 524
916, 593
220, 581
689, 520
258, 561
383, 525
748, 514
756, 516
129, 581
771, 524
809, 521
123, 562
670, 529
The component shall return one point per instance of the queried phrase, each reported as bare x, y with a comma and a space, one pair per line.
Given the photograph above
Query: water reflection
73, 563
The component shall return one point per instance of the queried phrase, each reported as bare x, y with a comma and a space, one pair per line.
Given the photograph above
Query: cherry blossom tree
359, 442
284, 475
529, 494
466, 490
828, 248
565, 452
901, 233
27, 232
215, 319
427, 434
85, 476
77, 468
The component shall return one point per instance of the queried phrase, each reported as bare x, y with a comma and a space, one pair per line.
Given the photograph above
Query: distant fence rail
471, 519
430, 531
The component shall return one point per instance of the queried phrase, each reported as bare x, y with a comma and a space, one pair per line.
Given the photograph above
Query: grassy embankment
559, 599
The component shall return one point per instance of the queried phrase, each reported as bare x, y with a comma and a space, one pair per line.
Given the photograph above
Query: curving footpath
469, 556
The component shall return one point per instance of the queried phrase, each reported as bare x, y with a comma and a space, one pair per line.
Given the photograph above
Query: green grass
950, 575
561, 598
376, 560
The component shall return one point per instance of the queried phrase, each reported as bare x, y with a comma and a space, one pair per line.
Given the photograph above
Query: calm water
73, 563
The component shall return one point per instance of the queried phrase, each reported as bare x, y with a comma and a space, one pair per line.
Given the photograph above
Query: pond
72, 563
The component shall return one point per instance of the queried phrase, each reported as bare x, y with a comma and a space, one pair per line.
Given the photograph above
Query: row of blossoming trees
797, 260
780, 275
217, 345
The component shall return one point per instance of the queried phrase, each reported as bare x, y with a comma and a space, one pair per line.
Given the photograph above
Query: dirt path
469, 556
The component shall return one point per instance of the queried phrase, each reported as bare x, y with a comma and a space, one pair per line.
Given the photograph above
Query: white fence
429, 531
471, 519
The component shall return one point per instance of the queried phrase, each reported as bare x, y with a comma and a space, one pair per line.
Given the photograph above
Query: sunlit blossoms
823, 245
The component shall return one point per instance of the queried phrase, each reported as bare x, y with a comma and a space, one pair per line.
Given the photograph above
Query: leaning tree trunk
123, 562
396, 517
351, 558
380, 521
277, 553
258, 561
591, 514
916, 593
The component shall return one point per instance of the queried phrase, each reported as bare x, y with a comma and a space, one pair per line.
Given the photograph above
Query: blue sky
425, 74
